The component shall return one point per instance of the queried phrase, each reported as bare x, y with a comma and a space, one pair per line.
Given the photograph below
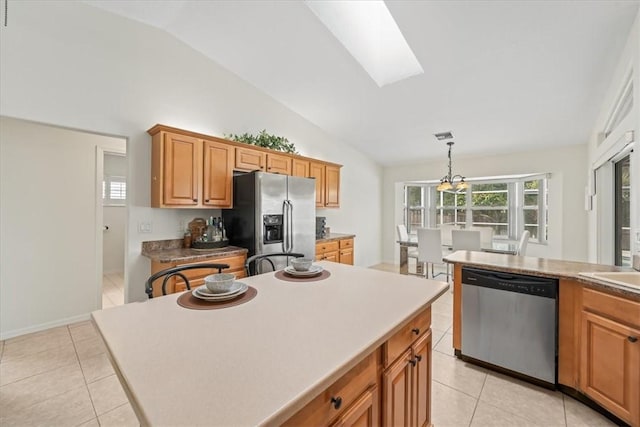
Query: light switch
145, 227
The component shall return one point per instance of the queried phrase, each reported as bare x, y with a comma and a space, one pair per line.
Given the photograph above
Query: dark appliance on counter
272, 213
321, 223
510, 322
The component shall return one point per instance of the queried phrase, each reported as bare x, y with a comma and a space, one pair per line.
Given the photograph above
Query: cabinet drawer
327, 247
620, 309
321, 410
346, 243
405, 337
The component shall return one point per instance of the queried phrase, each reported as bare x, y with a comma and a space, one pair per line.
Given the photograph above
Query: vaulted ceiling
501, 75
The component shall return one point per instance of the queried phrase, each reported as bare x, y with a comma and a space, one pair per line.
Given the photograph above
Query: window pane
416, 219
451, 216
118, 190
453, 199
414, 196
488, 217
494, 195
533, 230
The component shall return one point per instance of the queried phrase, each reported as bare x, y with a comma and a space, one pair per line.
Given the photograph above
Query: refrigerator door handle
288, 238
285, 225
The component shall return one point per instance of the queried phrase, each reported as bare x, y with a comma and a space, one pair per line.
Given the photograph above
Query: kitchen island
281, 355
598, 332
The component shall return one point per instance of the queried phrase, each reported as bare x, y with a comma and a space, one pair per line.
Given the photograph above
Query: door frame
99, 219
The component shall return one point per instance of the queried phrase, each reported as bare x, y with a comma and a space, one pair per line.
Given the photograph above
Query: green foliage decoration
265, 140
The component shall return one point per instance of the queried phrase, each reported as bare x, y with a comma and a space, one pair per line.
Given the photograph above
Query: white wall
114, 217
567, 216
629, 62
73, 65
48, 225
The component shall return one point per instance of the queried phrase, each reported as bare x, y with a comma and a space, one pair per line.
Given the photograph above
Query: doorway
114, 218
622, 212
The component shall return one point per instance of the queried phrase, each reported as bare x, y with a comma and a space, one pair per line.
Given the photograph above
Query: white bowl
301, 264
220, 282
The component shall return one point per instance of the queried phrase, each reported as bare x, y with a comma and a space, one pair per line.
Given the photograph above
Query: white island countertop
260, 362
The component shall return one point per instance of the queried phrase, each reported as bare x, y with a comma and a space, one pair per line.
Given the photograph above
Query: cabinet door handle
416, 331
418, 358
632, 339
195, 200
413, 362
337, 402
206, 200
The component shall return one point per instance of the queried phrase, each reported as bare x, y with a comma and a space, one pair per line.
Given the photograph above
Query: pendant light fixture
448, 182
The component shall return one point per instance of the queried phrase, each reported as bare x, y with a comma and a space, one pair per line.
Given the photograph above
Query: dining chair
465, 240
445, 233
430, 250
403, 236
178, 271
522, 243
486, 235
254, 264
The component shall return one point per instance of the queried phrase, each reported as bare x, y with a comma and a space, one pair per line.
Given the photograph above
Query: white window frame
432, 203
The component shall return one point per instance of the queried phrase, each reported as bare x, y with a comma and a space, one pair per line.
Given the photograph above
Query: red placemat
187, 300
286, 277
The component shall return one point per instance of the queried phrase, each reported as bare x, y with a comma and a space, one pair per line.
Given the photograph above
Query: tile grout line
84, 378
486, 375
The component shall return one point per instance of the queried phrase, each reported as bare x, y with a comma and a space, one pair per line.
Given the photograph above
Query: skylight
371, 35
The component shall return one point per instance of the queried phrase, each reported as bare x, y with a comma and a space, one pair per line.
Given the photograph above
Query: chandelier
448, 181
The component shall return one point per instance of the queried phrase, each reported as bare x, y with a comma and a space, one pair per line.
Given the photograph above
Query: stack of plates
314, 270
237, 289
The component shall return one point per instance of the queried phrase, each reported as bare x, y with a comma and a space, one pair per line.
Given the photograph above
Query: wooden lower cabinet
345, 256
387, 388
196, 276
407, 386
610, 354
335, 251
363, 413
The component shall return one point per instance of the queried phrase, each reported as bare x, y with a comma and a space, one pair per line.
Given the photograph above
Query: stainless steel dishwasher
509, 321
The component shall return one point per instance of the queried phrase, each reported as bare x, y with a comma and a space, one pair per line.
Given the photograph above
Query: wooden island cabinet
192, 170
400, 368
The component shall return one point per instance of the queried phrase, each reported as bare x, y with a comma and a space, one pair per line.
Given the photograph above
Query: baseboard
41, 327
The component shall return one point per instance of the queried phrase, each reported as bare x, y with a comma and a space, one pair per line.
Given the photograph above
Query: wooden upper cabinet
249, 160
189, 172
218, 174
181, 169
317, 170
192, 170
327, 178
300, 168
277, 163
332, 191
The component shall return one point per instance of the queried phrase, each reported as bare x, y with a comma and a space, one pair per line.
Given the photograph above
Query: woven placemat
286, 277
187, 300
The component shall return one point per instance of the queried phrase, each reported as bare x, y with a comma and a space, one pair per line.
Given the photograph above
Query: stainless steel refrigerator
272, 213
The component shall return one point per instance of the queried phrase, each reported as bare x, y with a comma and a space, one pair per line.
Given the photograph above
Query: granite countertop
543, 267
333, 237
168, 251
257, 363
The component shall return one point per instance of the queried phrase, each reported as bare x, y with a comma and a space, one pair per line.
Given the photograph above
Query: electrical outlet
145, 227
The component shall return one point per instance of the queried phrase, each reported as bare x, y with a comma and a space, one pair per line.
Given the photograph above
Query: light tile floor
62, 377
112, 289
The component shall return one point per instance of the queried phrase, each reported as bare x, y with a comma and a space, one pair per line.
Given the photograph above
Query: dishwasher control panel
530, 285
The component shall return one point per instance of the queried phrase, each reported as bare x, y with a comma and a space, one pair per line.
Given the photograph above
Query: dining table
260, 361
498, 246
